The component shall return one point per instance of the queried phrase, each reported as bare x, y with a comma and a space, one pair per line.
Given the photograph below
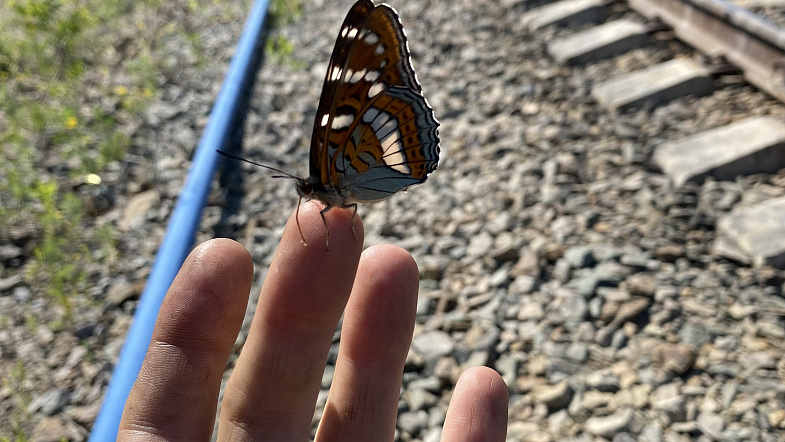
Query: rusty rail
717, 27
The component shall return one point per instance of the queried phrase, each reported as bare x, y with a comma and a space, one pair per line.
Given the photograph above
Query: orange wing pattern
374, 133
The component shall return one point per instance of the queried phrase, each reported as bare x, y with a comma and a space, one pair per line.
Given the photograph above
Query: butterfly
375, 133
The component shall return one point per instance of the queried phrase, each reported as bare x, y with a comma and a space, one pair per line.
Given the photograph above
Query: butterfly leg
297, 219
354, 215
326, 228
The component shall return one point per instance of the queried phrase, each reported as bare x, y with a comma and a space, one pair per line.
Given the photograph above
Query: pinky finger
478, 409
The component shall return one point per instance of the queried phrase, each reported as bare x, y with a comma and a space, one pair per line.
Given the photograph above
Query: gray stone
651, 433
619, 339
608, 426
530, 311
711, 424
579, 257
555, 397
631, 309
10, 282
655, 85
50, 402
584, 284
22, 294
729, 391
433, 435
565, 12
727, 369
678, 358
753, 145
433, 344
611, 273
327, 376
603, 381
756, 233
603, 41
694, 334
523, 285
432, 267
642, 284
56, 429
669, 400
758, 360
476, 359
137, 209
480, 245
507, 365
431, 383
413, 422
121, 291
577, 351
420, 399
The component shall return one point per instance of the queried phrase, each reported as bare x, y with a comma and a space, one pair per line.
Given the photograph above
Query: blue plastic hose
181, 231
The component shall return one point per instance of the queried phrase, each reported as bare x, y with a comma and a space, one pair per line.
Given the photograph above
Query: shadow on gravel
230, 175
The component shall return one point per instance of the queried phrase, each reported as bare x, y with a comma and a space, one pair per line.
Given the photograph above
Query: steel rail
720, 28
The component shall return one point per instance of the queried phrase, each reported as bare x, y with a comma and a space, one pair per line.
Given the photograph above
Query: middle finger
272, 392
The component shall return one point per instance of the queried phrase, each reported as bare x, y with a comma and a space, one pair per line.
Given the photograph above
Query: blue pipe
181, 231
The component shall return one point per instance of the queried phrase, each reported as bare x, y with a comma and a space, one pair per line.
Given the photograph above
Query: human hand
272, 391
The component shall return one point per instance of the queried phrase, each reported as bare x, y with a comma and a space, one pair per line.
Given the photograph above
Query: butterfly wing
374, 133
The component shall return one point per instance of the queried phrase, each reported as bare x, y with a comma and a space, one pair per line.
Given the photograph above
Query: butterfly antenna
283, 174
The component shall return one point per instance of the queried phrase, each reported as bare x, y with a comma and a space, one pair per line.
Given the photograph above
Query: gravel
550, 248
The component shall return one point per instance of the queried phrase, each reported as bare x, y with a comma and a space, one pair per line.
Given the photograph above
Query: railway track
731, 39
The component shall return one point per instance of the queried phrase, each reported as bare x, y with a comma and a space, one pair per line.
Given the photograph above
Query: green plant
14, 382
277, 46
284, 12
53, 132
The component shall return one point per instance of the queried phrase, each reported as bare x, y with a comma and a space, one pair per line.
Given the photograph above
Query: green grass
278, 48
14, 382
57, 126
64, 97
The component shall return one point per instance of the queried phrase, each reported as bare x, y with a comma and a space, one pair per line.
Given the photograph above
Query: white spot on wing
325, 119
379, 50
356, 76
372, 75
375, 89
335, 74
371, 38
342, 121
393, 156
352, 33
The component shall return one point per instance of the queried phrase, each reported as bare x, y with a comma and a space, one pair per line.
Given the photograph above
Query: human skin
272, 391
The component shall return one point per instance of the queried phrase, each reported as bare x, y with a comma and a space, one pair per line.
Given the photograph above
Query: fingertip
345, 228
223, 253
478, 409
486, 382
210, 291
391, 261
